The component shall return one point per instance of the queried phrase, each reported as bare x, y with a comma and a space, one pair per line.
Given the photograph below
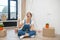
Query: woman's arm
20, 23
33, 28
32, 25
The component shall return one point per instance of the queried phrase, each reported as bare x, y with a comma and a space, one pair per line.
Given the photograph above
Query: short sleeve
32, 22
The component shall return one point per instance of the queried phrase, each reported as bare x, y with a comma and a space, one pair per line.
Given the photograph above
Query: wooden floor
11, 35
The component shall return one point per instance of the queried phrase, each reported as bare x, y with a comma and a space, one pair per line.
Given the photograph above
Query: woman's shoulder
32, 22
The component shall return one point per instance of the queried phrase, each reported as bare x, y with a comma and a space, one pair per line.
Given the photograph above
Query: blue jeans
31, 33
26, 29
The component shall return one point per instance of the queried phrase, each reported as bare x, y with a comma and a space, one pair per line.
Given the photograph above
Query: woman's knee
20, 32
32, 33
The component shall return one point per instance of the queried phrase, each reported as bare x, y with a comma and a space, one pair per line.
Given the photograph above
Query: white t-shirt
32, 22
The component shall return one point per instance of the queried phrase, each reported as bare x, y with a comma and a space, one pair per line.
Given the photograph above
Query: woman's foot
33, 36
21, 36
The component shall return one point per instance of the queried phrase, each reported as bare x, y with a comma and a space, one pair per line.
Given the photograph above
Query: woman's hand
19, 23
32, 28
18, 20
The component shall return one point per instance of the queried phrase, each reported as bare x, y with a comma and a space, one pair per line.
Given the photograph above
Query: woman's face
29, 15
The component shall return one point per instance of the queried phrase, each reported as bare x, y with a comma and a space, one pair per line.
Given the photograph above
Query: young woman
27, 27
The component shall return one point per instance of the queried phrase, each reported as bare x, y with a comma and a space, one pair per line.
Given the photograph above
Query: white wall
45, 11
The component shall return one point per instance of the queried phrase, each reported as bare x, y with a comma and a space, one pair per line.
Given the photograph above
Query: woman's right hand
20, 24
18, 20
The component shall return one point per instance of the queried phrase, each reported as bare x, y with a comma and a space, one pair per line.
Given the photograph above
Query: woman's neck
28, 19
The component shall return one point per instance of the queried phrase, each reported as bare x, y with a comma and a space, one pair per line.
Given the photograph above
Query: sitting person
27, 27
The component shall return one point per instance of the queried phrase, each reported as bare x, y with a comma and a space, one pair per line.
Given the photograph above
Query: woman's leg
31, 33
21, 32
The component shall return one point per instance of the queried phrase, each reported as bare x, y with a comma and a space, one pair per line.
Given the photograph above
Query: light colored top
32, 22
